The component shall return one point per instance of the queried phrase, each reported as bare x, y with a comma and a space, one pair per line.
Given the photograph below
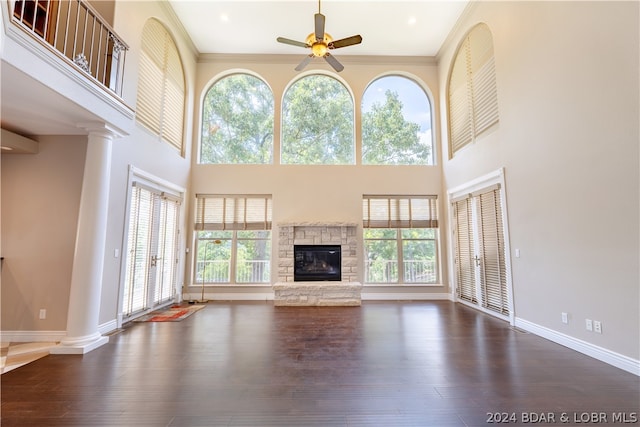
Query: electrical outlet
43, 313
565, 317
597, 326
589, 324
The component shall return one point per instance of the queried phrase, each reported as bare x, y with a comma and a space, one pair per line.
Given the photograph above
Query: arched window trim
153, 117
356, 111
430, 98
203, 95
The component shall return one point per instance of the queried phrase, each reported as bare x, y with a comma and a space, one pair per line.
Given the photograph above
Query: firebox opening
317, 263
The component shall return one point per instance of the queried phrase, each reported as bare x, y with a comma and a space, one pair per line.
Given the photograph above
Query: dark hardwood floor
382, 364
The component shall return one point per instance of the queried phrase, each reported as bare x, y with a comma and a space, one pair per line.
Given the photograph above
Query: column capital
103, 129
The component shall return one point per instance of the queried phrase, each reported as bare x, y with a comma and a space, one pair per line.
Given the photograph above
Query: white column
88, 260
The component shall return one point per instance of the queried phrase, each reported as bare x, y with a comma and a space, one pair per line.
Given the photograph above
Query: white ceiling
403, 28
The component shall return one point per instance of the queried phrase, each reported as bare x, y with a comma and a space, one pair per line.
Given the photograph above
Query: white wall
567, 76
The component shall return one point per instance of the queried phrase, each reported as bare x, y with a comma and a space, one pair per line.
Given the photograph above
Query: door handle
154, 260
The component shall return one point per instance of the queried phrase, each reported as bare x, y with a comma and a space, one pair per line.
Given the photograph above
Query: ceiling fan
320, 44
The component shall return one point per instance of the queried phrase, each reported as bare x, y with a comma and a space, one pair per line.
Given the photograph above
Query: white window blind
464, 250
493, 275
161, 88
480, 254
472, 92
380, 211
233, 212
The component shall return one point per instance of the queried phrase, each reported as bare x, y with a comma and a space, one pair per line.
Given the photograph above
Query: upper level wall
568, 140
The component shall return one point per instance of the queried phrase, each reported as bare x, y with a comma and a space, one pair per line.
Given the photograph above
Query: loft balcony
62, 65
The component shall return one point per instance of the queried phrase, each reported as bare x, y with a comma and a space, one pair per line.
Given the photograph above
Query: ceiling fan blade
334, 62
304, 63
349, 41
319, 21
292, 42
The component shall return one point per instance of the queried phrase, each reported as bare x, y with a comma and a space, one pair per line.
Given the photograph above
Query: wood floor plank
253, 364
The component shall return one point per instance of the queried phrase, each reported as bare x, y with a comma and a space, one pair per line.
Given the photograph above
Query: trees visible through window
233, 239
237, 122
396, 123
318, 123
400, 239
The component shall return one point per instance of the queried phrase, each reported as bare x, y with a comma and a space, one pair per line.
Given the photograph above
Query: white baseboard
612, 358
108, 327
229, 296
404, 296
32, 336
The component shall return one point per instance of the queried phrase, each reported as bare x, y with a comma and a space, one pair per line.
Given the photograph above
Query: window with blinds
161, 86
472, 90
480, 256
233, 212
232, 239
399, 211
400, 239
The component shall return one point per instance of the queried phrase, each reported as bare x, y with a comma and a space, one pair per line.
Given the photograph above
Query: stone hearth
287, 292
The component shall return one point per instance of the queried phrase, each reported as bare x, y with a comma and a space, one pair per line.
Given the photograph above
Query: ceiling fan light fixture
320, 43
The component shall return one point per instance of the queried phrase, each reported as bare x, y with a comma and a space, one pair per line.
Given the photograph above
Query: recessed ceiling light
224, 17
412, 20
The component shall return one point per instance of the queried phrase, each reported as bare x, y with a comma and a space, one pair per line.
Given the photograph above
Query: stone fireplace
288, 292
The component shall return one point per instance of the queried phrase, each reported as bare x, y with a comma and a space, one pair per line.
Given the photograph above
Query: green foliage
389, 139
317, 123
237, 122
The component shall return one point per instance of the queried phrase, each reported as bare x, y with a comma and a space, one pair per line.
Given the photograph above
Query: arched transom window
396, 123
237, 122
317, 123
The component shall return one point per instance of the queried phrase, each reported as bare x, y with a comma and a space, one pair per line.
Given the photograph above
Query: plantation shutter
229, 212
493, 275
399, 211
161, 87
464, 250
472, 90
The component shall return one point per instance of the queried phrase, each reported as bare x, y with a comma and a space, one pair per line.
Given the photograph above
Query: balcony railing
414, 271
219, 271
78, 33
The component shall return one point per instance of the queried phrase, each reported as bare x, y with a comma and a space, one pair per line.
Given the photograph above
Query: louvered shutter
493, 273
233, 212
464, 251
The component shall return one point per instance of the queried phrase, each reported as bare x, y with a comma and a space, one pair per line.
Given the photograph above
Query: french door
152, 250
480, 251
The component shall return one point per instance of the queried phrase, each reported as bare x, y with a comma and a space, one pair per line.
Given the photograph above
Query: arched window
317, 123
161, 86
396, 123
472, 91
237, 122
